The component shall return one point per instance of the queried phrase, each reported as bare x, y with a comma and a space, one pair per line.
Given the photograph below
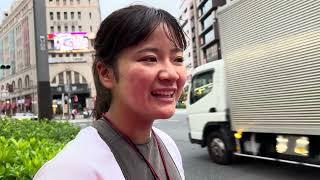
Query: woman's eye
179, 59
149, 59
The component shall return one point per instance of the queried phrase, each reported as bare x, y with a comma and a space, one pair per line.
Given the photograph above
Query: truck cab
208, 112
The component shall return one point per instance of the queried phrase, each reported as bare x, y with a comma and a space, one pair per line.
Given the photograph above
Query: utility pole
42, 65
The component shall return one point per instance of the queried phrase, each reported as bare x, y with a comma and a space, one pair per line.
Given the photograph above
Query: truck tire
219, 148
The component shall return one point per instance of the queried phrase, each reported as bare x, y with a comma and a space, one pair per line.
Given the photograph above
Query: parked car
27, 115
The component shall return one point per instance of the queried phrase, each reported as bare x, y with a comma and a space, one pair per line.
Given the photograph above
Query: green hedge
26, 145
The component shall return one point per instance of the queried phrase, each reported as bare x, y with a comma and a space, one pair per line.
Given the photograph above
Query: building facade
71, 27
206, 47
188, 23
18, 84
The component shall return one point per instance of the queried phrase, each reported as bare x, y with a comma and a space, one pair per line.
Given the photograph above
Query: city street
198, 166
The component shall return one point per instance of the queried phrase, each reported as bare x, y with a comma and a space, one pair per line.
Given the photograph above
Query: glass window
207, 22
54, 80
51, 29
64, 2
65, 15
66, 29
72, 28
201, 85
69, 77
90, 15
84, 81
60, 77
72, 15
59, 28
71, 2
78, 1
80, 28
58, 15
209, 36
51, 15
76, 78
79, 15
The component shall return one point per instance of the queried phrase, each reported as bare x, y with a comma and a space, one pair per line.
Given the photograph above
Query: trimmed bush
26, 145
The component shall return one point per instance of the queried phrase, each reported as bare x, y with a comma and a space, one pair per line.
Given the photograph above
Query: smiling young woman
139, 76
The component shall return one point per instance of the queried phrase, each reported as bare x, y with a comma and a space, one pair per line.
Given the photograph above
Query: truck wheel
219, 149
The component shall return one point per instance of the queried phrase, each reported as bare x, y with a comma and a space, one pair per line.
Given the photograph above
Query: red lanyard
135, 148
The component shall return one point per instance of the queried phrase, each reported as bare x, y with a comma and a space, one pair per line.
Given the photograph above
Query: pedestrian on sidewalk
139, 75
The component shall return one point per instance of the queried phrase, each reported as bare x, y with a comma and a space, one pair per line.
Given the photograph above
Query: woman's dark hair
124, 28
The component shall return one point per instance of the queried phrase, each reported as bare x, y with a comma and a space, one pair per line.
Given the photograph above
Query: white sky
108, 6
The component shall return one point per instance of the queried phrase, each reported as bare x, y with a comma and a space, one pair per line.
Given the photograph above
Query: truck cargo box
272, 64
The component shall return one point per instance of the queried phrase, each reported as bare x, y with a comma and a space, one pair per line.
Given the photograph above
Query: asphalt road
198, 166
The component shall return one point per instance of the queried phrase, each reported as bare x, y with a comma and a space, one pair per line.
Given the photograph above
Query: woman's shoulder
78, 159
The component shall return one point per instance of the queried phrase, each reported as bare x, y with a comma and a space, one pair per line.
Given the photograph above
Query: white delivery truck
262, 99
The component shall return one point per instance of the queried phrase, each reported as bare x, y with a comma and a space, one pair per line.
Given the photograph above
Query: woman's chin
165, 114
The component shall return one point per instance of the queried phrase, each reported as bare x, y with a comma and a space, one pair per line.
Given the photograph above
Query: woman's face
151, 77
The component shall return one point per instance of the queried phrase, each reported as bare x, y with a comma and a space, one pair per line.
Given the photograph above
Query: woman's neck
131, 124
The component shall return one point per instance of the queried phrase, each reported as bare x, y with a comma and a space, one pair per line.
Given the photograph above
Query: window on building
58, 2
60, 55
81, 54
58, 15
80, 28
90, 15
74, 54
52, 44
65, 15
72, 15
90, 28
51, 15
66, 29
76, 78
72, 28
209, 36
50, 0
60, 78
54, 80
20, 83
64, 2
26, 81
84, 81
89, 1
71, 2
79, 15
201, 85
51, 29
78, 1
59, 28
53, 55
68, 73
67, 55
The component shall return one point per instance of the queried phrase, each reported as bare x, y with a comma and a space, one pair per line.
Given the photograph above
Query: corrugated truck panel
271, 51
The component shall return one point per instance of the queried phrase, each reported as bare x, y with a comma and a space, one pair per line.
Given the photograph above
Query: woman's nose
169, 73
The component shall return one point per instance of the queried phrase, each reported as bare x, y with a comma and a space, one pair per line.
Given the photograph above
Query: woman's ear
106, 75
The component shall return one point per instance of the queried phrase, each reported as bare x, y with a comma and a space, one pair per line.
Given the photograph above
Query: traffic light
5, 66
